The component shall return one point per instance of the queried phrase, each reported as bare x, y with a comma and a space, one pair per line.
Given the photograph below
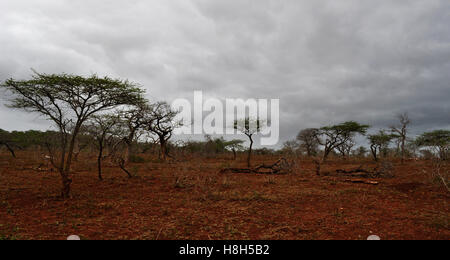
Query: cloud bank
327, 61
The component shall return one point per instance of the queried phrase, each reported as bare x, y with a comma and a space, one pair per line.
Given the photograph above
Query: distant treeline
27, 139
40, 140
427, 146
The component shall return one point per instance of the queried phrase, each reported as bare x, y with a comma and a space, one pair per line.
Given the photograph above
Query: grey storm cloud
328, 61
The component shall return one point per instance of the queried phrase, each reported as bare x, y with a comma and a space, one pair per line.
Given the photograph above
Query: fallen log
359, 172
355, 171
383, 170
236, 170
282, 166
362, 181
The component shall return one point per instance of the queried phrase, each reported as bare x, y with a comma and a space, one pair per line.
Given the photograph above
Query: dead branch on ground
383, 170
362, 181
282, 166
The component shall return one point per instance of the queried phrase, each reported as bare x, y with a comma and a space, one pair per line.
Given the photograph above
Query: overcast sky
327, 61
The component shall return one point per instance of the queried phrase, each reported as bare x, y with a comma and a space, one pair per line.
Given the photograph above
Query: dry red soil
192, 200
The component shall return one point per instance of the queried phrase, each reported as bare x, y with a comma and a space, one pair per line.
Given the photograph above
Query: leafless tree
400, 133
346, 147
134, 120
291, 147
308, 141
163, 124
101, 127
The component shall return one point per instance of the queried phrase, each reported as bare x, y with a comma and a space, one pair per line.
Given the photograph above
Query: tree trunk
122, 166
66, 181
162, 142
234, 154
442, 153
128, 154
374, 153
65, 191
249, 158
344, 154
326, 152
10, 149
403, 150
99, 161
163, 152
76, 149
66, 171
70, 151
318, 166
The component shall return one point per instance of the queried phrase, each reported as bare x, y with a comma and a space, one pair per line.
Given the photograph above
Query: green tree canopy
250, 127
378, 142
438, 139
69, 101
336, 136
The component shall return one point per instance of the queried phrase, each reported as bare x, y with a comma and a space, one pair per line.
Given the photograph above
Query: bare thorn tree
163, 124
134, 120
308, 141
101, 128
400, 132
346, 148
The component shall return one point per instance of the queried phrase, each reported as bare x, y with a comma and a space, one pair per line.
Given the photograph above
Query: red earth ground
192, 200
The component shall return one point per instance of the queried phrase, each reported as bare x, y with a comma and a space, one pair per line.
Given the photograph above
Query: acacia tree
337, 135
249, 127
133, 120
379, 142
163, 124
308, 141
234, 146
68, 99
438, 140
400, 132
101, 127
